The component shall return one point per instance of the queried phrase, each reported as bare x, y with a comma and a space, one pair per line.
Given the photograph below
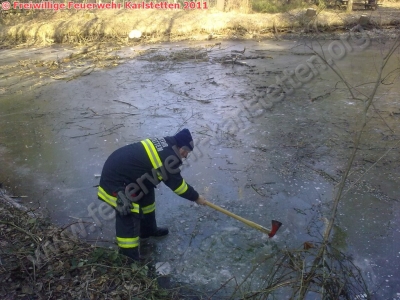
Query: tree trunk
350, 6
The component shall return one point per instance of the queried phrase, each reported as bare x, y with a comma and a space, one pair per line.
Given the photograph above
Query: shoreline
44, 28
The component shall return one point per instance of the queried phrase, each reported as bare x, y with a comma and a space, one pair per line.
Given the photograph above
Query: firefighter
127, 183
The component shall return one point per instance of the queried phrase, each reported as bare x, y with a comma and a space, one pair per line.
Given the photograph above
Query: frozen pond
259, 158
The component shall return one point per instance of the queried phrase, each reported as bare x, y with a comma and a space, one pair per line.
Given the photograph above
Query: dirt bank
42, 27
41, 261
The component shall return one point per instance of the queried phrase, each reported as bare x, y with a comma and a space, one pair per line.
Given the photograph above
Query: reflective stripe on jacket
101, 193
144, 163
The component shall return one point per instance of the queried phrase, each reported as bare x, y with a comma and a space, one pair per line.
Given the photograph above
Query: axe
271, 233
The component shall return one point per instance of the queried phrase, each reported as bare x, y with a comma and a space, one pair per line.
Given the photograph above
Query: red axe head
275, 227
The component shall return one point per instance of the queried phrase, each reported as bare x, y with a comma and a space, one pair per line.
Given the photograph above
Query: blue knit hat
184, 139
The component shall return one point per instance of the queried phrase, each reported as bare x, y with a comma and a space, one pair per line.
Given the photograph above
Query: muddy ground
259, 158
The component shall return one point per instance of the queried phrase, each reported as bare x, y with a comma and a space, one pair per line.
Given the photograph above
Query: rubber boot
132, 253
148, 227
160, 231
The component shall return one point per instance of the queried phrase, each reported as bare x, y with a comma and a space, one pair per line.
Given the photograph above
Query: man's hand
201, 200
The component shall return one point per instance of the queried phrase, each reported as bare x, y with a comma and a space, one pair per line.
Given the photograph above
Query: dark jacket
143, 165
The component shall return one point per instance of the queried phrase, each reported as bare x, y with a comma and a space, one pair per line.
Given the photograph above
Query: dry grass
41, 261
70, 26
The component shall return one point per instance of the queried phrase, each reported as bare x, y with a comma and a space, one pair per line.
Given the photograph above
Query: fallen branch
89, 134
125, 103
22, 230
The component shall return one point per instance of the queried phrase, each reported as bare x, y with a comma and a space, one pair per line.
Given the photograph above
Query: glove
124, 206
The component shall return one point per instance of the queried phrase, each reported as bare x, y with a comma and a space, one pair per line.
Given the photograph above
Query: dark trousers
129, 228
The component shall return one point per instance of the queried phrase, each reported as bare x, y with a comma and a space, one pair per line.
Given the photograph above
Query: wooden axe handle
245, 221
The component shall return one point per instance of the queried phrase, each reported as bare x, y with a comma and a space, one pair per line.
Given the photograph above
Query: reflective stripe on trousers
150, 208
128, 242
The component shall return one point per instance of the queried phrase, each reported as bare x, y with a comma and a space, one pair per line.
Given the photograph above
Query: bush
275, 6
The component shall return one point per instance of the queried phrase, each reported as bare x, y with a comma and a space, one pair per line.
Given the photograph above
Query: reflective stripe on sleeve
128, 242
182, 188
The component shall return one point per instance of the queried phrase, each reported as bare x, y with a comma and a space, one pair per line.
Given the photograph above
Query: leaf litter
41, 261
